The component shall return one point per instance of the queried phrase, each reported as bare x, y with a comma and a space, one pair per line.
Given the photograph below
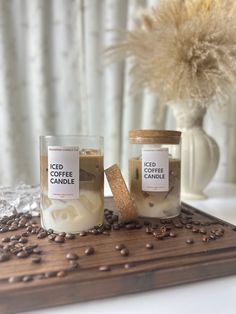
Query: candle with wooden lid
155, 172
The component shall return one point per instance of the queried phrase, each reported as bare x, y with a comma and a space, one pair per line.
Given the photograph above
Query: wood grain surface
172, 261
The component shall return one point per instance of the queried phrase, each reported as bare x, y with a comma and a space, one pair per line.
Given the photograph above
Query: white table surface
215, 296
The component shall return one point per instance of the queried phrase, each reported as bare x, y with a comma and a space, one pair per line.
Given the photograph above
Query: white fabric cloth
54, 79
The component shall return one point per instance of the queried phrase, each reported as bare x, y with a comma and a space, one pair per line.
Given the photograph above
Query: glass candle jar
154, 172
71, 181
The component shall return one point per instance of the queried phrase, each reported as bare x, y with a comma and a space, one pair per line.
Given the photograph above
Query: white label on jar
63, 172
155, 170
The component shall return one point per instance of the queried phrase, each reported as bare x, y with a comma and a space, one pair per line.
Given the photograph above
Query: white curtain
54, 79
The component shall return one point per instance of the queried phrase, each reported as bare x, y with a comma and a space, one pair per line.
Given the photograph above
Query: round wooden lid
154, 137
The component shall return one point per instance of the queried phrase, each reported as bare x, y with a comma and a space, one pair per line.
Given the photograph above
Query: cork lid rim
153, 133
154, 137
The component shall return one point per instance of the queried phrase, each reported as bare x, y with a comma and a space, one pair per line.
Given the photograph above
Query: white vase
200, 152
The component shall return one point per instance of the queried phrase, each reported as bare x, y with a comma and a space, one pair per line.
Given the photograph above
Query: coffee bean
50, 274
37, 251
89, 251
42, 235
166, 234
52, 236
50, 231
5, 229
23, 240
21, 225
172, 234
130, 226
62, 234
18, 244
218, 234
27, 249
159, 236
202, 230
70, 236
39, 276
59, 239
94, 231
195, 230
4, 257
36, 260
6, 239
104, 268
25, 234
119, 247
189, 241
188, 226
14, 279
15, 237
72, 256
128, 265
22, 254
149, 246
15, 251
61, 273
27, 278
124, 252
9, 222
178, 225
6, 247
73, 265
82, 233
106, 232
212, 237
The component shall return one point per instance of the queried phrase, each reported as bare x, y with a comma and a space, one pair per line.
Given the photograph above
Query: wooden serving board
172, 261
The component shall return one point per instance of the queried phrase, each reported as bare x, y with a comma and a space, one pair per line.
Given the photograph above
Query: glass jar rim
70, 136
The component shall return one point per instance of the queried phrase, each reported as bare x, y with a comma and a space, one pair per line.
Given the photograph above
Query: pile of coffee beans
19, 246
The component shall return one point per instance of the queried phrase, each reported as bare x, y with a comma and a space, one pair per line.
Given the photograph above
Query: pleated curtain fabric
55, 79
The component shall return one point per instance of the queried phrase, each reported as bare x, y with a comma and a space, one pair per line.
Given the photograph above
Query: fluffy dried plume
185, 50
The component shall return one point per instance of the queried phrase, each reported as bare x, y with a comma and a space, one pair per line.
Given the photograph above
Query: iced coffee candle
155, 172
71, 180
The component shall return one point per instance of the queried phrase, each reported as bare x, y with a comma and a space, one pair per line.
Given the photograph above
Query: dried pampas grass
184, 49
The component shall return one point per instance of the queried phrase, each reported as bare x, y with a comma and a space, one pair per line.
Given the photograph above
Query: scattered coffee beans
119, 247
14, 279
149, 246
70, 236
124, 252
89, 251
4, 257
82, 233
189, 241
72, 256
128, 265
59, 239
61, 273
27, 278
36, 260
104, 268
